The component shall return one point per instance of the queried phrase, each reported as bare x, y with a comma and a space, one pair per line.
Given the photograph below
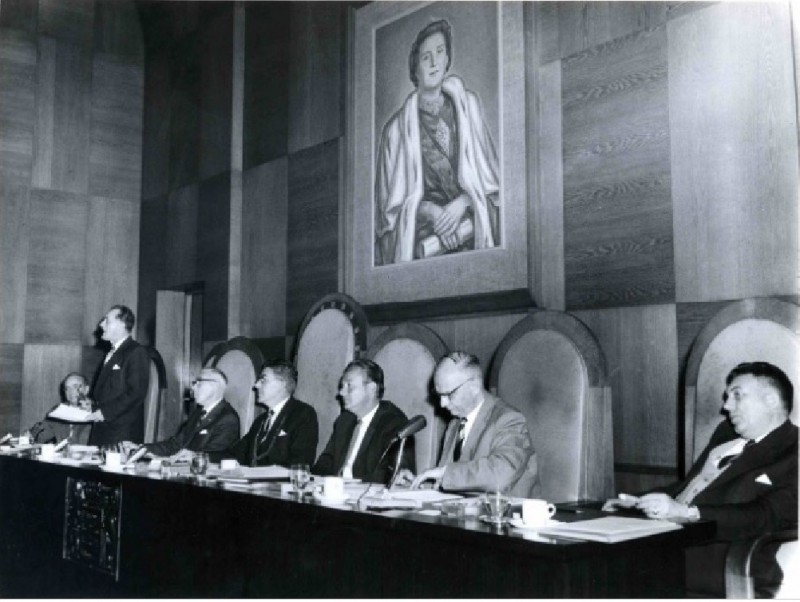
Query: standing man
287, 433
212, 425
487, 446
364, 431
120, 386
745, 480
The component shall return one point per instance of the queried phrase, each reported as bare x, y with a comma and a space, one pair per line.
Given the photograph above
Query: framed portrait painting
435, 191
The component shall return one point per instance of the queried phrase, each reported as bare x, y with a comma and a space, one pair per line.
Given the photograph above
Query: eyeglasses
450, 393
203, 380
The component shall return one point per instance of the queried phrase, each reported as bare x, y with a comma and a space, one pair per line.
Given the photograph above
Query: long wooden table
178, 538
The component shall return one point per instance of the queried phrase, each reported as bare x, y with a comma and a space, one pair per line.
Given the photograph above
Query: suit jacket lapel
449, 443
373, 426
194, 421
275, 429
107, 367
476, 432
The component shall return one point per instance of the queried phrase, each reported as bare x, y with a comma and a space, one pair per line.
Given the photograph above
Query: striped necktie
462, 428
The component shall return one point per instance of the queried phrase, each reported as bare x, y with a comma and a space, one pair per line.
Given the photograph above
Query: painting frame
458, 276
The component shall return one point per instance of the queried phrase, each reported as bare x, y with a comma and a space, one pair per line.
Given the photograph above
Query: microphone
415, 425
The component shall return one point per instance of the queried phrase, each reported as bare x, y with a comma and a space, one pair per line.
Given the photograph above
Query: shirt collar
278, 407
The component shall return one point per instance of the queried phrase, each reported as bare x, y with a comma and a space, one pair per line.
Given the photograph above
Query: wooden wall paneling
180, 237
19, 14
45, 366
733, 120
92, 357
266, 95
640, 344
56, 267
184, 123
213, 252
156, 124
112, 259
18, 60
546, 32
115, 161
691, 318
264, 250
11, 359
152, 264
316, 109
170, 342
582, 25
216, 34
14, 237
71, 21
617, 206
313, 229
117, 30
63, 103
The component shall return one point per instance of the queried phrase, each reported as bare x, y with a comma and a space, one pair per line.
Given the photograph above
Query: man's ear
772, 399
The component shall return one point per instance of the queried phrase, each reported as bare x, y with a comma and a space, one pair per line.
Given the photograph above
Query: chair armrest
738, 582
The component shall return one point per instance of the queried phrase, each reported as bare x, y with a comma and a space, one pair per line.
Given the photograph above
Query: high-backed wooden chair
759, 329
155, 393
332, 334
240, 360
551, 368
408, 353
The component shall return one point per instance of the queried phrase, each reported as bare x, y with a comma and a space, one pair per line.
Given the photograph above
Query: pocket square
116, 367
282, 433
204, 432
764, 479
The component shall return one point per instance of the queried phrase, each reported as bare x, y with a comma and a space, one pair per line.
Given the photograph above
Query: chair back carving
408, 353
240, 360
762, 329
155, 393
551, 368
332, 334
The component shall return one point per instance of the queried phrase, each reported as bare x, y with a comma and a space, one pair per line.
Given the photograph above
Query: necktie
352, 450
462, 427
725, 460
265, 427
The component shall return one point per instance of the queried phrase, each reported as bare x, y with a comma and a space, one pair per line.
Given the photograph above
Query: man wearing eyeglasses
487, 446
212, 425
287, 433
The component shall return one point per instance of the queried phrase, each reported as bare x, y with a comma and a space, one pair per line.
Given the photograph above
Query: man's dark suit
387, 421
119, 391
292, 438
755, 494
214, 432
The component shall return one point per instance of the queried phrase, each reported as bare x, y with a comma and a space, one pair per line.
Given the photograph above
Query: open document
69, 413
610, 529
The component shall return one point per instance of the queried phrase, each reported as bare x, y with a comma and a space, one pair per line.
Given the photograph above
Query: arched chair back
408, 353
155, 393
551, 368
762, 329
240, 360
332, 334
212, 355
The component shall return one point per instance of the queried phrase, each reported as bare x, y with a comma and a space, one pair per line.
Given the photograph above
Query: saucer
105, 468
488, 519
518, 524
331, 500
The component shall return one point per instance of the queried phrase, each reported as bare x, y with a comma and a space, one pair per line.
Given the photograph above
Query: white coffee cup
24, 440
536, 513
113, 459
333, 487
228, 464
48, 451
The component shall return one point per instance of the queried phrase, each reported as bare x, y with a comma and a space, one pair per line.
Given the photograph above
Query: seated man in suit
486, 446
212, 425
364, 432
73, 392
745, 479
287, 433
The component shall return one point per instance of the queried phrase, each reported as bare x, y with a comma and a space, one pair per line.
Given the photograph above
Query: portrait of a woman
437, 177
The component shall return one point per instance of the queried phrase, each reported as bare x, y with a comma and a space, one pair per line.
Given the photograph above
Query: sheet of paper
69, 413
423, 496
611, 529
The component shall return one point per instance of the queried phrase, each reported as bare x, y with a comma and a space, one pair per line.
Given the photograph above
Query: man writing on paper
120, 387
287, 433
365, 430
487, 446
73, 391
745, 479
212, 425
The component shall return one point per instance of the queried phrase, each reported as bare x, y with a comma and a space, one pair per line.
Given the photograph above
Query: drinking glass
300, 477
199, 463
496, 505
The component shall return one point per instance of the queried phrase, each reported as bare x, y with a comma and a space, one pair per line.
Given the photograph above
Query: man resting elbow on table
487, 446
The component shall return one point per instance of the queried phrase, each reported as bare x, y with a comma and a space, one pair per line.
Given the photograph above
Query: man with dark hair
363, 433
73, 390
120, 386
487, 446
287, 433
745, 479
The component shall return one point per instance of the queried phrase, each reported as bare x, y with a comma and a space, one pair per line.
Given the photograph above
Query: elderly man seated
73, 391
745, 480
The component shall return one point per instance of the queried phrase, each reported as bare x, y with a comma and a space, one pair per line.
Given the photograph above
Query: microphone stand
397, 461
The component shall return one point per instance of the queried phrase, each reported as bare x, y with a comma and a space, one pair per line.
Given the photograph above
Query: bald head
209, 387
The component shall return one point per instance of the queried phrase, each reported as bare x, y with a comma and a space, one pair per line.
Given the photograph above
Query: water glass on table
198, 464
300, 476
496, 506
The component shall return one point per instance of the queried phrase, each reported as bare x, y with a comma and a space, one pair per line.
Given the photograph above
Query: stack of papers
248, 474
69, 413
405, 499
610, 529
